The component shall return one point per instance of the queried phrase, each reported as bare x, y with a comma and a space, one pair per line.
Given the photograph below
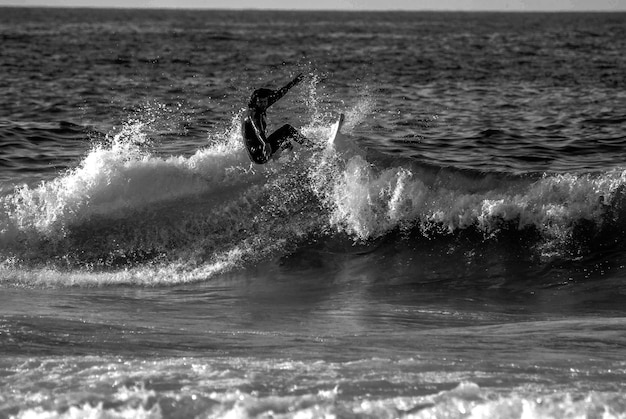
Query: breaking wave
125, 215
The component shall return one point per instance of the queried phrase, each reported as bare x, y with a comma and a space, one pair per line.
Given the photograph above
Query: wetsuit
261, 147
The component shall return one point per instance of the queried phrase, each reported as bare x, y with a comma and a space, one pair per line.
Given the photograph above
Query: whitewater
186, 218
458, 252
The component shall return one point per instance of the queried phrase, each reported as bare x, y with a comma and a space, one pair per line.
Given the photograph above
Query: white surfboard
343, 144
334, 130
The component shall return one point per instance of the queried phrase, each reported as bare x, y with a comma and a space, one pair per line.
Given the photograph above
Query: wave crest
126, 215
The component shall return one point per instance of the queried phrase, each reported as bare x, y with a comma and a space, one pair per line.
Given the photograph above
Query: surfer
260, 147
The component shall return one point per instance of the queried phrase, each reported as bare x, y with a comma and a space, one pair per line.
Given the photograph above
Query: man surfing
262, 148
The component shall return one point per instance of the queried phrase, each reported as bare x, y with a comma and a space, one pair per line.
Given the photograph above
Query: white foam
123, 176
232, 387
198, 216
467, 400
369, 202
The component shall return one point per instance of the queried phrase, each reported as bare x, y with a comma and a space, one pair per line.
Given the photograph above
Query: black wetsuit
260, 147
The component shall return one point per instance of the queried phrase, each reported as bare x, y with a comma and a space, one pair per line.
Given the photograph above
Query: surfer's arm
255, 137
283, 90
267, 148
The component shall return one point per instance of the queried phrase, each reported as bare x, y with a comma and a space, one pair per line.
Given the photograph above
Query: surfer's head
260, 99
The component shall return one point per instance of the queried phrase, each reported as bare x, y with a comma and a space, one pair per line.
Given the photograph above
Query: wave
227, 387
370, 201
124, 215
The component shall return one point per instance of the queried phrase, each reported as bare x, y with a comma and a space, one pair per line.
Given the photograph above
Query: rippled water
464, 257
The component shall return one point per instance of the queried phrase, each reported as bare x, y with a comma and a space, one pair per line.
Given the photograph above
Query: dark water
464, 258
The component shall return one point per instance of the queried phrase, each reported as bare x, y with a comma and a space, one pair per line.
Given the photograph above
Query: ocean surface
460, 252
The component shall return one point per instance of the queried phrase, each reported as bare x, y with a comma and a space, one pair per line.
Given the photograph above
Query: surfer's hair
258, 94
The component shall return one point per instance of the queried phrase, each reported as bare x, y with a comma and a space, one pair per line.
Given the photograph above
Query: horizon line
279, 9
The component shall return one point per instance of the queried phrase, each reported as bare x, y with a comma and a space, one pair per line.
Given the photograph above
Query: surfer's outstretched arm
283, 90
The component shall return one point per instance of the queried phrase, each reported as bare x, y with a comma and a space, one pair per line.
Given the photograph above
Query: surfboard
334, 130
343, 145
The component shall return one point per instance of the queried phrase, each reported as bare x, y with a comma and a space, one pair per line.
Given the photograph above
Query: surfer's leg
281, 137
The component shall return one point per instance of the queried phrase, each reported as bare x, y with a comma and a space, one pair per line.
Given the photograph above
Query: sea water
468, 261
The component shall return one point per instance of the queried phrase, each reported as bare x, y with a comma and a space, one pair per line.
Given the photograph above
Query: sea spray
369, 201
127, 215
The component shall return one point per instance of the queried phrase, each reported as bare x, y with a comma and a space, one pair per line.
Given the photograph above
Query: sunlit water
457, 253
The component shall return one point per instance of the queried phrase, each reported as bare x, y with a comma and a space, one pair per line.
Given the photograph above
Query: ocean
463, 257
